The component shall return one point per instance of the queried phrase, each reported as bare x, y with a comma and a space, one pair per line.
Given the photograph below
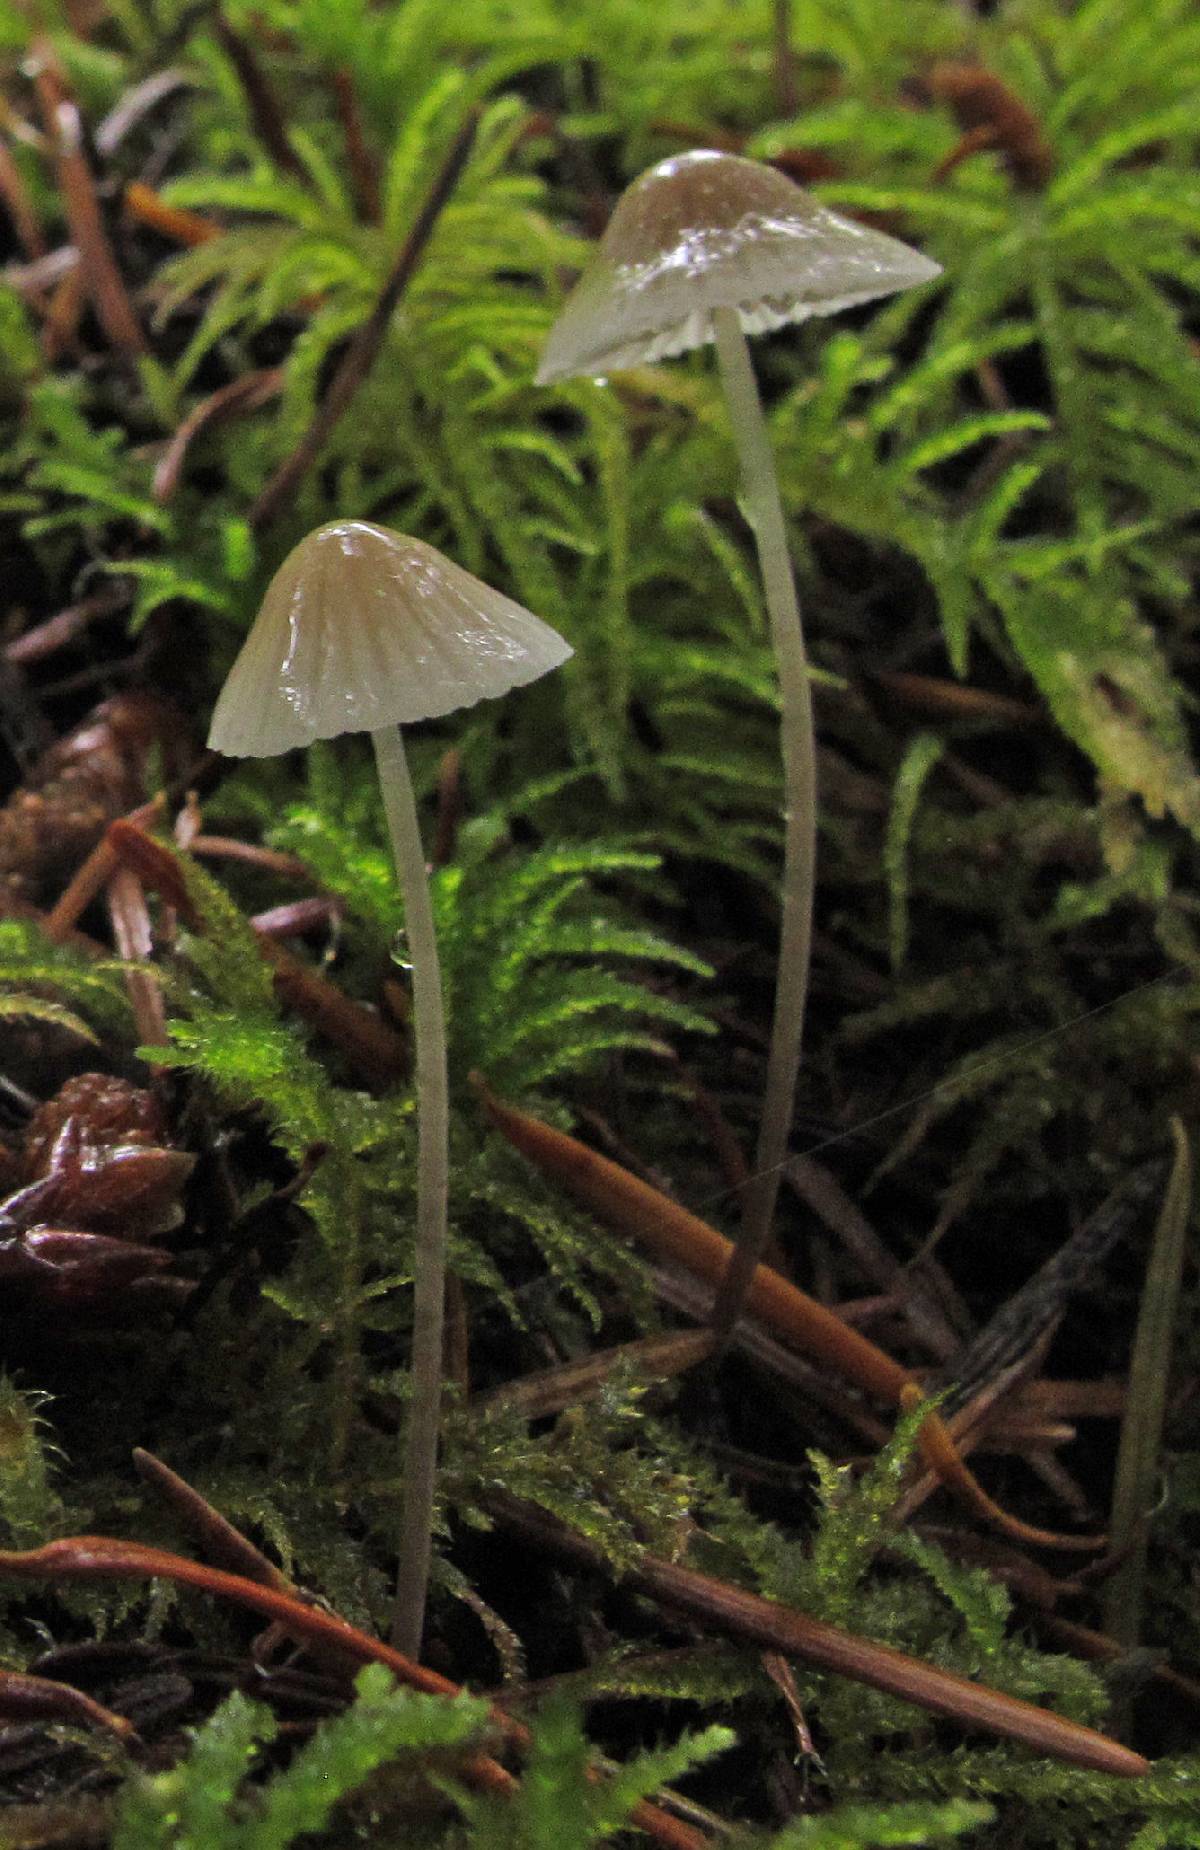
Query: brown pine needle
102, 1557
632, 1206
149, 208
774, 1627
226, 1546
29, 1699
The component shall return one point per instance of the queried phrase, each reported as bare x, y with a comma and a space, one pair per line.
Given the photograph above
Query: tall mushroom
365, 630
711, 247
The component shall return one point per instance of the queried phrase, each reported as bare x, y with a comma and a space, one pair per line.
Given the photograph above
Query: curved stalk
798, 744
429, 1264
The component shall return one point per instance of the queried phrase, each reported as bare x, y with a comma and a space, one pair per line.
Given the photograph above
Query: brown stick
361, 354
1102, 1649
1102, 1399
819, 1189
783, 58
992, 116
777, 1361
32, 280
251, 854
449, 808
965, 1427
133, 106
774, 1627
954, 700
13, 907
1036, 1307
377, 1053
298, 916
63, 315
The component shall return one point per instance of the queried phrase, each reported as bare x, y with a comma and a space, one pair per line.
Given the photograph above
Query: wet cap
707, 230
363, 628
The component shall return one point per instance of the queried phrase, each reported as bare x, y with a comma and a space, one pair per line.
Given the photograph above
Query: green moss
994, 481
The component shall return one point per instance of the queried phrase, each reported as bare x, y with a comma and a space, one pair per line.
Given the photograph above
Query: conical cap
363, 628
704, 231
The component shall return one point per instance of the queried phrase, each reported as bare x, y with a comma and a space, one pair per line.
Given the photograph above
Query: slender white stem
798, 741
429, 1264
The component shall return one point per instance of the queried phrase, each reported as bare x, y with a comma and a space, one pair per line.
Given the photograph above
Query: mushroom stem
429, 1263
798, 742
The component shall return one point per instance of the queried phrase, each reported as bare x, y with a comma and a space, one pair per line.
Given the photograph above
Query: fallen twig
298, 916
226, 1546
91, 877
132, 935
917, 1287
992, 117
136, 103
550, 1390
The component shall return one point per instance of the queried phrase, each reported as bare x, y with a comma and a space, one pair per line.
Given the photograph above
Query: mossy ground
990, 487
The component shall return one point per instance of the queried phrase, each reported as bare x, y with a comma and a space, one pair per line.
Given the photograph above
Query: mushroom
712, 247
365, 630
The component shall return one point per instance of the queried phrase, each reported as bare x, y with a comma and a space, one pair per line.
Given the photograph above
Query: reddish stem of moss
363, 349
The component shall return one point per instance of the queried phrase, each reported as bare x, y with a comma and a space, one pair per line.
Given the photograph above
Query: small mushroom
711, 247
365, 630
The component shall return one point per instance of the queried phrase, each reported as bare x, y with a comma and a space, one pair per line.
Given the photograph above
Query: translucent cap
704, 231
363, 628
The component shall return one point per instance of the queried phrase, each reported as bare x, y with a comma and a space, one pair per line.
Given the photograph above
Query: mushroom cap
703, 231
363, 628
